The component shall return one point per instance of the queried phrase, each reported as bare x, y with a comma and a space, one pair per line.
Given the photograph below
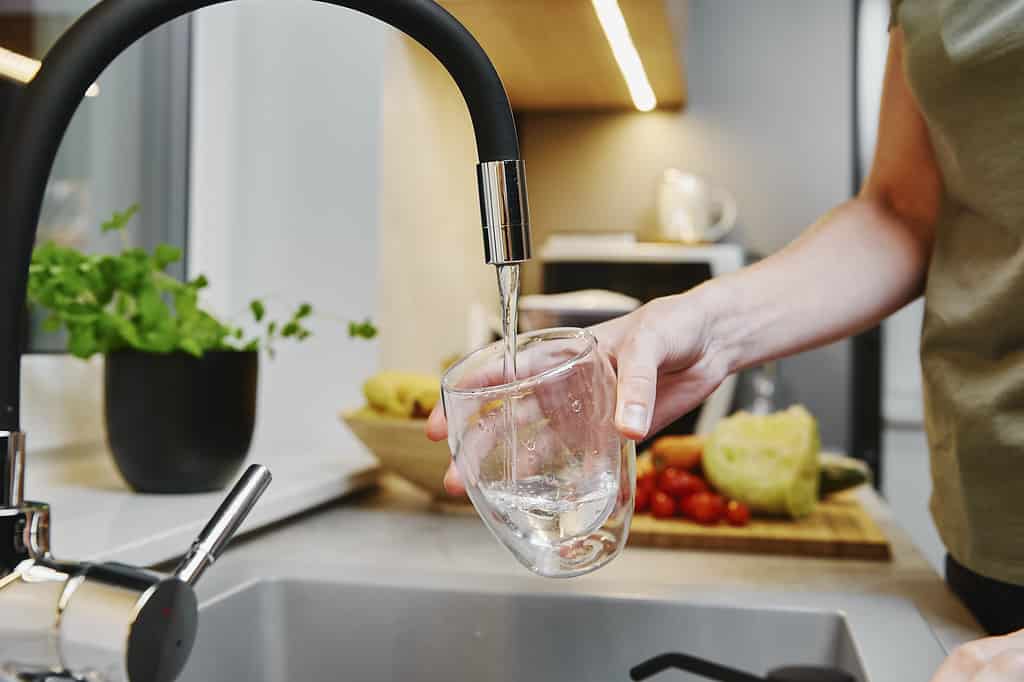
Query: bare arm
859, 263
856, 265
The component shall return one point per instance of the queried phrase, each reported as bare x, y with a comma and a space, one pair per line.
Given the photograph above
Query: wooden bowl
402, 448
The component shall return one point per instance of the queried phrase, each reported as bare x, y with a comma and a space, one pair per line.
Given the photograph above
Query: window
127, 145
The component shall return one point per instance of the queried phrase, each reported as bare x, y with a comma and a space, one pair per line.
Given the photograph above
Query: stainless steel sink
364, 625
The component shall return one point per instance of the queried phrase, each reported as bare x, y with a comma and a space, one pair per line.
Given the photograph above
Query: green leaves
110, 302
165, 254
119, 221
127, 300
292, 328
150, 306
82, 342
362, 330
258, 310
192, 347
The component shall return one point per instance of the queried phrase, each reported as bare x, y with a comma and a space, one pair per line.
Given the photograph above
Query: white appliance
573, 309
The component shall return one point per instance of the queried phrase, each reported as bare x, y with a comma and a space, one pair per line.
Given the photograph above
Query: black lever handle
723, 673
691, 664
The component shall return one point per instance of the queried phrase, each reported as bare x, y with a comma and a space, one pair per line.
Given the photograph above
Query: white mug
687, 205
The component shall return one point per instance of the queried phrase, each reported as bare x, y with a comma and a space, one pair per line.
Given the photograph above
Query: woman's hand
667, 361
995, 659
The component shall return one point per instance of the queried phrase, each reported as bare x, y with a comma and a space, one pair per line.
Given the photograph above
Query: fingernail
634, 417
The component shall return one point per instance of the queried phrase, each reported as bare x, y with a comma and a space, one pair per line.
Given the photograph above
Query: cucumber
839, 472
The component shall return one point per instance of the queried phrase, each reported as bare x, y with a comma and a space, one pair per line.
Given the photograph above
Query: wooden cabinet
553, 54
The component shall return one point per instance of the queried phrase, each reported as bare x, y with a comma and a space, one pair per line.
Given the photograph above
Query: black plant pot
180, 424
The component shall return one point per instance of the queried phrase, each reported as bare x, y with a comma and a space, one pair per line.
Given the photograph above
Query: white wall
285, 152
61, 401
431, 258
768, 116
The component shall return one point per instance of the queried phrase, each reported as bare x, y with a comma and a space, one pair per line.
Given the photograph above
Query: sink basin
368, 625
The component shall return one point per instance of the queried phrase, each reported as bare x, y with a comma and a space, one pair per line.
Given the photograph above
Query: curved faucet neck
45, 107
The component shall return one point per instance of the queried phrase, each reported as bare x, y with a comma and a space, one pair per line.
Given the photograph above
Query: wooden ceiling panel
553, 55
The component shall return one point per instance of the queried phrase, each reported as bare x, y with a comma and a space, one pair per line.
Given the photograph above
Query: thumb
638, 360
437, 425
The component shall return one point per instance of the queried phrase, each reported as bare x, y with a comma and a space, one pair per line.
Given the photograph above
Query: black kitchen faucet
34, 130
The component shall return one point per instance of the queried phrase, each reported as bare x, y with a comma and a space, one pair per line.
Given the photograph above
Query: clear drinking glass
540, 456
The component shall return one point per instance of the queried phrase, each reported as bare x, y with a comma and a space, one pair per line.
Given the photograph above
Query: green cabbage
768, 462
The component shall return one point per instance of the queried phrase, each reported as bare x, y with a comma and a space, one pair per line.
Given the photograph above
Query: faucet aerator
504, 211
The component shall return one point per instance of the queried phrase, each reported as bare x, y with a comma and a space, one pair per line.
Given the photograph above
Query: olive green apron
964, 61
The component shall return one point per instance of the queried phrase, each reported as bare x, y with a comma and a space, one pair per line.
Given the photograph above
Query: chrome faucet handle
12, 445
110, 621
24, 525
224, 523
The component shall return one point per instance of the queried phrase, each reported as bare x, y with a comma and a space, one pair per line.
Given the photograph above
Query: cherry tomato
662, 505
697, 484
647, 481
704, 509
718, 505
643, 500
737, 513
680, 484
686, 507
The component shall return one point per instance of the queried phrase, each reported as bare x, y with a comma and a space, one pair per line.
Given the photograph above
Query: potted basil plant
179, 383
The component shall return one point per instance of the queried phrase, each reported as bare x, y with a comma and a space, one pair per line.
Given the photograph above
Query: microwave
645, 271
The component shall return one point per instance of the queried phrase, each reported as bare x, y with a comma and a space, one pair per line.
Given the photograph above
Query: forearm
855, 266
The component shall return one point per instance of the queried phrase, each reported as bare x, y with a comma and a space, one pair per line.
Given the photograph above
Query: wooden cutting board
838, 528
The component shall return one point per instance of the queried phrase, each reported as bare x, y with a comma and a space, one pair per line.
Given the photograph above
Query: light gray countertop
96, 517
395, 526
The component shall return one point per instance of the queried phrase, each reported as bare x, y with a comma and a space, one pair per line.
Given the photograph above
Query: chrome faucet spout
504, 211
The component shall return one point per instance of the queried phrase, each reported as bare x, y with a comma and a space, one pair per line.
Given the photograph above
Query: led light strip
22, 69
615, 30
